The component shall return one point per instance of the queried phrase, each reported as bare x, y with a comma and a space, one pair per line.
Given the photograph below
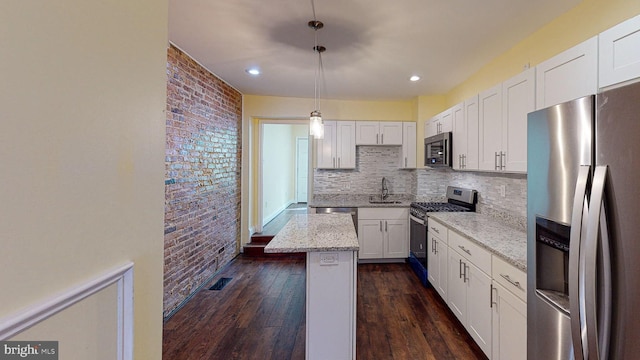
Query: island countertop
315, 232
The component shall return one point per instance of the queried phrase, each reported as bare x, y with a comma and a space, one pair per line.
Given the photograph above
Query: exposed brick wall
202, 182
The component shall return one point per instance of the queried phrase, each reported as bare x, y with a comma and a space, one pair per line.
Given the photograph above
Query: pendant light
316, 126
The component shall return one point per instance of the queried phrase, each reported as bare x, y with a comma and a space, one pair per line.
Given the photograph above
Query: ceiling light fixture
316, 125
414, 78
253, 71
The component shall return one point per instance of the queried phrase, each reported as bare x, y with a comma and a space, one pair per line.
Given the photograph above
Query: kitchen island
331, 244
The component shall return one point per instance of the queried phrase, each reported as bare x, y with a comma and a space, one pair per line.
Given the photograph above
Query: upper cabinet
440, 123
518, 99
568, 75
503, 113
465, 135
338, 149
619, 54
378, 133
409, 149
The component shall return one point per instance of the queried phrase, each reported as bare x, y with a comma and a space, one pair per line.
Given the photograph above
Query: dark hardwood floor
260, 315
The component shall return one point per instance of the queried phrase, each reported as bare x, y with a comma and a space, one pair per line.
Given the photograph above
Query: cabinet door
518, 99
370, 239
326, 148
431, 126
619, 58
433, 266
479, 307
470, 159
490, 128
345, 142
459, 136
568, 75
446, 121
391, 133
367, 133
409, 149
397, 239
456, 286
509, 325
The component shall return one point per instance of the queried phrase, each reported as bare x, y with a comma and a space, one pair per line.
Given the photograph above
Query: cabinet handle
380, 225
464, 161
495, 160
512, 282
386, 226
433, 245
334, 162
460, 268
503, 155
405, 161
491, 302
465, 272
377, 138
436, 230
382, 139
436, 246
464, 249
338, 162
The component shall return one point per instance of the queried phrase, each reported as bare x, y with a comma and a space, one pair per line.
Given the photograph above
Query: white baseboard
277, 212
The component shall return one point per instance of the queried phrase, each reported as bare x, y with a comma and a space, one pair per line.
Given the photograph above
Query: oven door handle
419, 221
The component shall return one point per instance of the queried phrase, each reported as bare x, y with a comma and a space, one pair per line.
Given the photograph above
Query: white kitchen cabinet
383, 233
508, 297
469, 288
509, 328
502, 119
409, 149
490, 128
378, 133
437, 257
518, 99
438, 124
338, 149
568, 75
465, 135
619, 53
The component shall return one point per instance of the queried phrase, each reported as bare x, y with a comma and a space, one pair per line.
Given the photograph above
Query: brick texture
202, 181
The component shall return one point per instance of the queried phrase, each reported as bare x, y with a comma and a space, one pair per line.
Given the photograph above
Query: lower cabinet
509, 325
383, 233
487, 294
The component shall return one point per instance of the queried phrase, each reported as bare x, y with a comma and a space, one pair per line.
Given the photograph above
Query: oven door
418, 240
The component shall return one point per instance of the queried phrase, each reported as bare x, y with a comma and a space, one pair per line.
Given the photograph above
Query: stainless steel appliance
583, 232
458, 199
437, 150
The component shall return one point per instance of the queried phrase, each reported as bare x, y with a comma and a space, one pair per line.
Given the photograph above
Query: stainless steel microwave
437, 150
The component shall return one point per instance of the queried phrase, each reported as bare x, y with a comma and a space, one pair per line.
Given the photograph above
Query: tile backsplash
375, 162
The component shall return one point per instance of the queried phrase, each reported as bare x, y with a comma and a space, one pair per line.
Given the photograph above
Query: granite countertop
315, 232
358, 201
508, 243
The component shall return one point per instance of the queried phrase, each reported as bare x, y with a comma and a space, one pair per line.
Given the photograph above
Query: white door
302, 169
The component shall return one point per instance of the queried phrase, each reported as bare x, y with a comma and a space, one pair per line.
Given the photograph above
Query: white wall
82, 138
278, 152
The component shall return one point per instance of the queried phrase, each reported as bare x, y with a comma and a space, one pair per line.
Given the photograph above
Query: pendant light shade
316, 126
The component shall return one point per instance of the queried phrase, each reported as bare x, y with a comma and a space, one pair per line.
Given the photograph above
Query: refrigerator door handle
598, 295
576, 254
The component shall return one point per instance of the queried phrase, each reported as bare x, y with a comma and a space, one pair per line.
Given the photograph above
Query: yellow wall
584, 21
82, 140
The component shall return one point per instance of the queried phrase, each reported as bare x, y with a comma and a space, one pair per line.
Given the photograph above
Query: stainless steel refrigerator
583, 210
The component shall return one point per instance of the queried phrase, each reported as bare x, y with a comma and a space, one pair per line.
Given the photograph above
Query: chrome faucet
385, 189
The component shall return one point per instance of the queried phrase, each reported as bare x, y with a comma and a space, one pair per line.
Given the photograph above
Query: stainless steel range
458, 199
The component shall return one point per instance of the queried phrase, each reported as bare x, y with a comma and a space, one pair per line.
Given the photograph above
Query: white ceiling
373, 46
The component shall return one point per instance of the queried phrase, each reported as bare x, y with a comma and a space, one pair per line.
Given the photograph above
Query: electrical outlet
503, 190
328, 259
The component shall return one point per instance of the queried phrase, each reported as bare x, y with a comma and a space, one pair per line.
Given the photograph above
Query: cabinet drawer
470, 251
383, 213
510, 277
437, 229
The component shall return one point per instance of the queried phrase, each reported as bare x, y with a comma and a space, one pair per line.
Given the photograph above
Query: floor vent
220, 284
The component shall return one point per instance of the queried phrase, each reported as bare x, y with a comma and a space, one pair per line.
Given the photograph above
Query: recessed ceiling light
253, 71
414, 78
